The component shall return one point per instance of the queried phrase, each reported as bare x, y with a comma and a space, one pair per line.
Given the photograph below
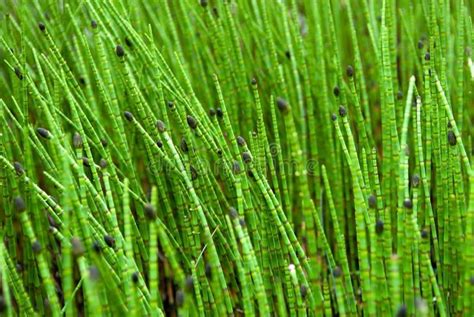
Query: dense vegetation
224, 157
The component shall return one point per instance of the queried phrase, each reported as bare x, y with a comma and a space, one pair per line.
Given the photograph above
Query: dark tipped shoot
303, 291
399, 95
241, 141
402, 311
208, 270
408, 204
36, 247
337, 272
128, 115
150, 212
184, 145
349, 71
372, 200
43, 133
342, 111
119, 51
85, 162
192, 122
233, 212
19, 203
160, 125
415, 180
452, 138
379, 227
18, 168
18, 73
94, 273
189, 283
179, 298
236, 169
424, 233
247, 157
77, 141
220, 113
77, 247
96, 247
194, 173
103, 164
282, 105
110, 241
135, 277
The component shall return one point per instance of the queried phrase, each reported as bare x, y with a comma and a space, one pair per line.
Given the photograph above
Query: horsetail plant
222, 158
